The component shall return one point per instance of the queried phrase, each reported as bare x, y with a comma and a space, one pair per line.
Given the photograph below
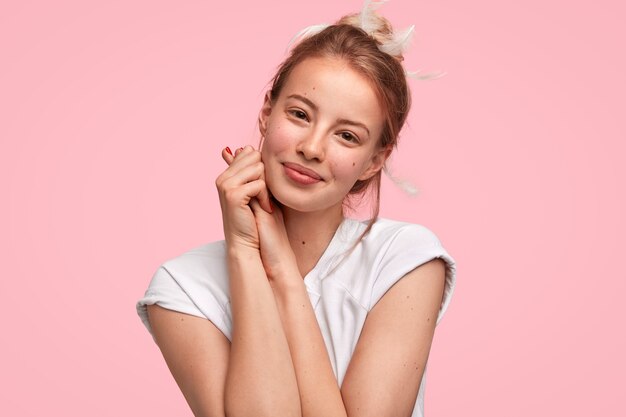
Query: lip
301, 174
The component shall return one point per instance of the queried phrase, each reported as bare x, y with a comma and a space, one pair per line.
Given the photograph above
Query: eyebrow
340, 121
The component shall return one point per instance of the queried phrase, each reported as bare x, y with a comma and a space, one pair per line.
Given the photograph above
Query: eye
348, 136
298, 114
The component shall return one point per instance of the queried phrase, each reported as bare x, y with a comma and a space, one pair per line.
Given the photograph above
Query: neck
310, 233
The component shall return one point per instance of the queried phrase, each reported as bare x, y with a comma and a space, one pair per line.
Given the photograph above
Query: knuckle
231, 196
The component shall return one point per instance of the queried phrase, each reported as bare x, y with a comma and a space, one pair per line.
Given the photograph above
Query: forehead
333, 85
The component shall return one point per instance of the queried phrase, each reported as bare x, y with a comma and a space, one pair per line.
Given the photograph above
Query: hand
241, 182
276, 253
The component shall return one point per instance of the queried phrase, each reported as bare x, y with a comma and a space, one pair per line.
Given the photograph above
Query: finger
246, 156
233, 178
255, 206
227, 155
264, 200
247, 192
239, 163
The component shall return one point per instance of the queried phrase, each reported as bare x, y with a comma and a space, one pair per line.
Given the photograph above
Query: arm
260, 379
387, 366
388, 363
197, 354
317, 384
253, 375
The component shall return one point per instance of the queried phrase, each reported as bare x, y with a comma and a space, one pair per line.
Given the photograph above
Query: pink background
112, 118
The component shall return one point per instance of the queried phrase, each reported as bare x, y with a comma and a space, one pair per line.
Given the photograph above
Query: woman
301, 311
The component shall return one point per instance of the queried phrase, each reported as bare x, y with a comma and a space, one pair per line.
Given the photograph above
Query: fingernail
229, 151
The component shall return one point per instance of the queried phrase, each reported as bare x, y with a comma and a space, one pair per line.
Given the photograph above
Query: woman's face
321, 135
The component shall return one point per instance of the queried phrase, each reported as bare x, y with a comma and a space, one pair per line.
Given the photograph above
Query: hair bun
380, 29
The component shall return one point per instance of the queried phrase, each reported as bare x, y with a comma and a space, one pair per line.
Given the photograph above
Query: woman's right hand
243, 180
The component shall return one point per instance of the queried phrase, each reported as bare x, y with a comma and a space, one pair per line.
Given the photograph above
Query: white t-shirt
342, 289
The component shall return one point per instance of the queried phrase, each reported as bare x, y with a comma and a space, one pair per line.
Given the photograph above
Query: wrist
284, 268
241, 252
286, 279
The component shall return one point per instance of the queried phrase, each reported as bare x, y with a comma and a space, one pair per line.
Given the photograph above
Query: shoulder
198, 260
393, 232
200, 270
195, 282
391, 250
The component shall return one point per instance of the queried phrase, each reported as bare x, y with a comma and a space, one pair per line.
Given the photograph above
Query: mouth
300, 174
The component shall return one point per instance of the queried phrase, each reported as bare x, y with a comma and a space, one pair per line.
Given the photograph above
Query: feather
368, 19
369, 23
399, 43
403, 184
307, 32
429, 76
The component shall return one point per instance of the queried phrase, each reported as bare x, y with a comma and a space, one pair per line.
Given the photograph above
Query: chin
302, 204
292, 202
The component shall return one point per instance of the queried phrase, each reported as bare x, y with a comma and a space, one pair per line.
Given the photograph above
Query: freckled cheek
279, 135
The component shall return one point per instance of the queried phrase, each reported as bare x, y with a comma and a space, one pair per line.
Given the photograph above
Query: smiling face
321, 135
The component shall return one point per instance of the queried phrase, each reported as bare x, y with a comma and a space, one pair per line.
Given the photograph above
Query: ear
264, 114
377, 162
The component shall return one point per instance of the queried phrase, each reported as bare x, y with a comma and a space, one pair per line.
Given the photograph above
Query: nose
313, 145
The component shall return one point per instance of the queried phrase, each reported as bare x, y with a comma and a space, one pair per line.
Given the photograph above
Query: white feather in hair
399, 43
403, 184
416, 75
307, 32
367, 17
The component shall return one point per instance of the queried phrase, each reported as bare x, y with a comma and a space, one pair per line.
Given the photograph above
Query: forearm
319, 392
261, 377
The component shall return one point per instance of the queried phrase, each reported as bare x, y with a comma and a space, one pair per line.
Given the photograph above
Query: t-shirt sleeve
184, 294
409, 248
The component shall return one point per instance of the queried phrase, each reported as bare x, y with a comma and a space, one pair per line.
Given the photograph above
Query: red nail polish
229, 151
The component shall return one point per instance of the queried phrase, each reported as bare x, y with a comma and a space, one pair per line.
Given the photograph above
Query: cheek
346, 169
278, 138
355, 167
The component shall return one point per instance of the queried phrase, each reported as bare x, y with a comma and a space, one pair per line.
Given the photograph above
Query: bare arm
197, 355
387, 366
260, 379
385, 371
318, 388
254, 375
382, 379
